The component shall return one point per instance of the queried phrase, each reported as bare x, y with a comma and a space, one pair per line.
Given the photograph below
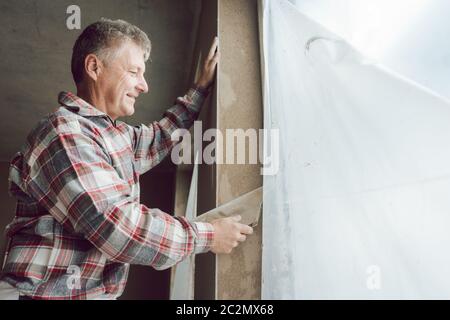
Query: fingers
245, 229
213, 48
236, 218
216, 58
242, 238
209, 65
230, 233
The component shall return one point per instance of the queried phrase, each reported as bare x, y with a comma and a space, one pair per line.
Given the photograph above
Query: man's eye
133, 72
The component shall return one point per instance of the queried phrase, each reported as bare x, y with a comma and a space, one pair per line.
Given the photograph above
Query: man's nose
142, 85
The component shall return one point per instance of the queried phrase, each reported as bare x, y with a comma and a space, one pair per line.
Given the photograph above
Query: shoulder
64, 121
61, 122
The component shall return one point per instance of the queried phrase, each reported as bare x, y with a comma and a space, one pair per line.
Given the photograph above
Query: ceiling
36, 51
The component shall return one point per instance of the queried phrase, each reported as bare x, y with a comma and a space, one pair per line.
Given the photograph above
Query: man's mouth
131, 96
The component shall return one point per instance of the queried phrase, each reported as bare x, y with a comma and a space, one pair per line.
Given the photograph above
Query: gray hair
103, 38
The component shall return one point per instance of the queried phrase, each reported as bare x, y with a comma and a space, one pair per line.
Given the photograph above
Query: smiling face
122, 80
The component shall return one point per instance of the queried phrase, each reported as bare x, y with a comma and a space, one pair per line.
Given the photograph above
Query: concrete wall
37, 47
239, 106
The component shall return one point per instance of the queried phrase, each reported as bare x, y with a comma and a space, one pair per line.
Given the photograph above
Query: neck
92, 96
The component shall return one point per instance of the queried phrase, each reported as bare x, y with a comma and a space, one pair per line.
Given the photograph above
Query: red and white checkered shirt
79, 223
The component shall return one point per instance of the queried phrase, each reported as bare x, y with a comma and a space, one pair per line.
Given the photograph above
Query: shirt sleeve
152, 143
70, 175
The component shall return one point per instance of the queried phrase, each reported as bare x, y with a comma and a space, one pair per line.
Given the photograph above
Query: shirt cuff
205, 236
194, 99
204, 91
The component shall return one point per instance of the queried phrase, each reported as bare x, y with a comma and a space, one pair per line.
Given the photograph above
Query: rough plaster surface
230, 99
239, 275
246, 260
239, 106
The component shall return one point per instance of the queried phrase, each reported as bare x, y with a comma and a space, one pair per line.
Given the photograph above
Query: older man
79, 223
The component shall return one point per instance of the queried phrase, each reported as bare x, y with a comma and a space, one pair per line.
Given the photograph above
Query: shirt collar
78, 105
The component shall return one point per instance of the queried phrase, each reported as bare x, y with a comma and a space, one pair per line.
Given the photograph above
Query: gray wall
35, 57
36, 49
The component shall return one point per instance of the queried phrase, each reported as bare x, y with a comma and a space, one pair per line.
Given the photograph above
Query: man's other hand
209, 66
228, 232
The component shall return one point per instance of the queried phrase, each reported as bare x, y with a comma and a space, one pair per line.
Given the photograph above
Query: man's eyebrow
139, 68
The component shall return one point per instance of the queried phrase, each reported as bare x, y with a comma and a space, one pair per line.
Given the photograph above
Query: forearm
154, 239
153, 142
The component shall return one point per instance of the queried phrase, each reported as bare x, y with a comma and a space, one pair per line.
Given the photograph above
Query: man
79, 223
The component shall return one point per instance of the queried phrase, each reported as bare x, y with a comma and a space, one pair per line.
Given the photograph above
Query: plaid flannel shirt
79, 223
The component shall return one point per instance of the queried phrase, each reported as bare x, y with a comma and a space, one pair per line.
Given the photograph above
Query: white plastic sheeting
408, 36
360, 207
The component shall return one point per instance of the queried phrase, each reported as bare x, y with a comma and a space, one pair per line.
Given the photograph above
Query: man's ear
92, 66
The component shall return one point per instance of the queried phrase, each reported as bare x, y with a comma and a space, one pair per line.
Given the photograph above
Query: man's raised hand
208, 69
